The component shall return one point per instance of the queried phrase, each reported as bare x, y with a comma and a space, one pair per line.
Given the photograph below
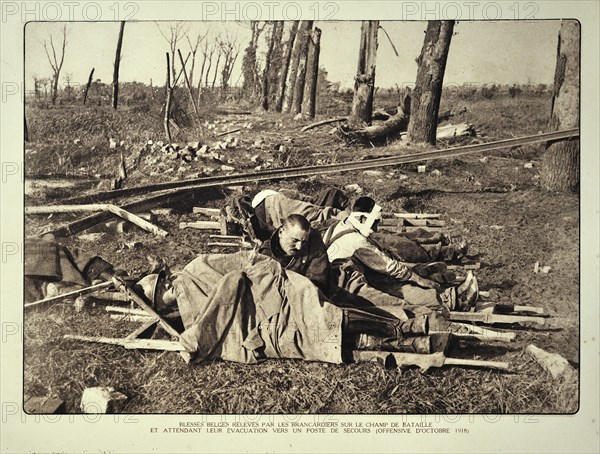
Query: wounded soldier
361, 267
267, 210
246, 307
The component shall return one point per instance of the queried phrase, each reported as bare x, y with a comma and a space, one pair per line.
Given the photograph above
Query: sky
481, 52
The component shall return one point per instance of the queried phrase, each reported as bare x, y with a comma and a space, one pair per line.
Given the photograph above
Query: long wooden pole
73, 294
189, 87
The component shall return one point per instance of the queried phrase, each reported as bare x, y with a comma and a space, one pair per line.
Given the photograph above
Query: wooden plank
126, 310
202, 225
465, 266
491, 318
413, 215
206, 211
165, 198
132, 343
142, 223
477, 363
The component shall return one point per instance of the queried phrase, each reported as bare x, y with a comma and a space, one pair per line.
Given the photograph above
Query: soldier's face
292, 239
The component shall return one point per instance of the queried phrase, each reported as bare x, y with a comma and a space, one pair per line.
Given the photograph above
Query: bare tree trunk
560, 163
187, 83
265, 75
290, 87
216, 71
87, 87
285, 64
115, 102
364, 84
301, 76
275, 64
312, 73
427, 93
168, 102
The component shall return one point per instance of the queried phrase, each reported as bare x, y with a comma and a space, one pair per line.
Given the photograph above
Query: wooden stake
147, 344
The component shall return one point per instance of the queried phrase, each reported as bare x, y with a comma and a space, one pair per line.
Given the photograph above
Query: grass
468, 194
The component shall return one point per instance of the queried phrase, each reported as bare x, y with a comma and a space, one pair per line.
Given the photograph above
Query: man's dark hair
297, 220
364, 204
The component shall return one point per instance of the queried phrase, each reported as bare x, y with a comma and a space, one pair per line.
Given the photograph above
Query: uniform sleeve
319, 268
377, 260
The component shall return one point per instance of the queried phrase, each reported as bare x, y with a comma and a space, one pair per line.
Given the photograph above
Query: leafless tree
55, 62
199, 38
176, 32
251, 84
230, 49
117, 65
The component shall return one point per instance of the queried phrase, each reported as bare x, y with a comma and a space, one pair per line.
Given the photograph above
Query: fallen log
323, 122
388, 129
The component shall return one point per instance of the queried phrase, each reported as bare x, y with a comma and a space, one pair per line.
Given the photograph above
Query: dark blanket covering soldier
246, 307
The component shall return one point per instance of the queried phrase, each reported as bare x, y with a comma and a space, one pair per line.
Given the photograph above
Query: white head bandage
262, 195
365, 228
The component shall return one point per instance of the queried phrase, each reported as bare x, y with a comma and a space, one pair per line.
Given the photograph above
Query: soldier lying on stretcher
264, 213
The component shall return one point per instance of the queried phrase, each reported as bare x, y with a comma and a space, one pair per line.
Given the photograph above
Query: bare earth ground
498, 204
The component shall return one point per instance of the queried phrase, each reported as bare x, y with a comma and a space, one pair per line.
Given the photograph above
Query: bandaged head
262, 195
365, 214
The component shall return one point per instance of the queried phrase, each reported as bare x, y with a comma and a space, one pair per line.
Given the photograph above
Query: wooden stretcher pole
73, 294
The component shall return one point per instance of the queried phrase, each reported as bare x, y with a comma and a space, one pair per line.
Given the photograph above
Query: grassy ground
498, 203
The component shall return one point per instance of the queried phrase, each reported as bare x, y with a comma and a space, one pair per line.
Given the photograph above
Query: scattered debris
79, 303
77, 141
484, 160
353, 187
436, 173
102, 400
112, 144
541, 269
421, 168
162, 211
134, 245
553, 363
373, 173
226, 168
528, 165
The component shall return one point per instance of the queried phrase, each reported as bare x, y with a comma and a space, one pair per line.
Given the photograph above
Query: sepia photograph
250, 226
